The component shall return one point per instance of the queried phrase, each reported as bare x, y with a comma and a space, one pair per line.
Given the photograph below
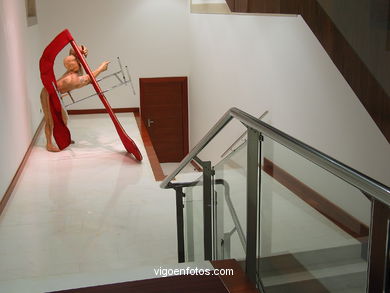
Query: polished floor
90, 211
92, 215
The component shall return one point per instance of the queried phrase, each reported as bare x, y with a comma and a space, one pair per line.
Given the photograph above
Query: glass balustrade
193, 222
310, 235
296, 219
230, 205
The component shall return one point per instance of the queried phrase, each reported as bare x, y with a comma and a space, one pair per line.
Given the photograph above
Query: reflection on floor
88, 210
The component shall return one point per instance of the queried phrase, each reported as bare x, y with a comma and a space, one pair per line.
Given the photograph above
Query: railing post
180, 224
253, 190
208, 172
379, 270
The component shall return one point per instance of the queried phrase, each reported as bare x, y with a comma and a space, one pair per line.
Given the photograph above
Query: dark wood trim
163, 79
230, 4
196, 166
101, 111
238, 282
334, 213
369, 91
379, 246
15, 179
185, 115
154, 162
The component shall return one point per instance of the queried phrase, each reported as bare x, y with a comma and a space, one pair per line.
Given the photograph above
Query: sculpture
51, 94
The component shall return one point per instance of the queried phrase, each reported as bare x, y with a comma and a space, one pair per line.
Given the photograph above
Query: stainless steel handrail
241, 136
355, 178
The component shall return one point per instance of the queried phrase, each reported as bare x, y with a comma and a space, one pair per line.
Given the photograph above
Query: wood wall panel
230, 3
369, 91
290, 6
241, 6
264, 5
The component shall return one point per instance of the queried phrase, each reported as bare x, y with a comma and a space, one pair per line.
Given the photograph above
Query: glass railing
295, 219
225, 223
230, 211
193, 222
311, 236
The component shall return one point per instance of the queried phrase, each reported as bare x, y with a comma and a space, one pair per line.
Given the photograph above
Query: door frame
184, 82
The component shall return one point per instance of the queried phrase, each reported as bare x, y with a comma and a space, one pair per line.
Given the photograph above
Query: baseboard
15, 179
334, 213
196, 166
153, 159
101, 111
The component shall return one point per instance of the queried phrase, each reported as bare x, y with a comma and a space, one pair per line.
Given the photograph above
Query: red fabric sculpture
60, 132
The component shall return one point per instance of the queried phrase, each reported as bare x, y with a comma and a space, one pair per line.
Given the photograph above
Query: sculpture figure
72, 79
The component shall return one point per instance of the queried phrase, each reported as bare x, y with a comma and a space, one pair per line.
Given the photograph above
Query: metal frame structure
241, 137
366, 184
123, 77
208, 173
180, 195
379, 194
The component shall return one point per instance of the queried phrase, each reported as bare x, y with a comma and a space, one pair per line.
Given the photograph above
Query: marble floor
92, 215
90, 210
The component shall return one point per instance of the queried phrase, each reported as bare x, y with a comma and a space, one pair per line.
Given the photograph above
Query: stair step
175, 284
238, 282
338, 269
347, 283
315, 260
345, 271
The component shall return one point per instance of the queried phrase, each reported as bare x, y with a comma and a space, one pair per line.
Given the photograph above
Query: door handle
150, 122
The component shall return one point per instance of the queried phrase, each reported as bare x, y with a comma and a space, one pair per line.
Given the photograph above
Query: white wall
149, 36
275, 63
19, 87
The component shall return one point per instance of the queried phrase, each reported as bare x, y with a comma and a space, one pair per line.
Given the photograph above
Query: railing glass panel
303, 218
310, 235
193, 222
230, 205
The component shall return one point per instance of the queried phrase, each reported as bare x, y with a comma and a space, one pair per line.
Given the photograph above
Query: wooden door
164, 111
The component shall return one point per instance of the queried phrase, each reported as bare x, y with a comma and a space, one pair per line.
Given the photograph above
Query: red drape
61, 133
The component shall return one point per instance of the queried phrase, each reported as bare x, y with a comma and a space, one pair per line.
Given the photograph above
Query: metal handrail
353, 177
241, 136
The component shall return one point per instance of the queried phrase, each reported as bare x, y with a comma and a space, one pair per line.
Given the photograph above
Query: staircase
291, 232
205, 283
